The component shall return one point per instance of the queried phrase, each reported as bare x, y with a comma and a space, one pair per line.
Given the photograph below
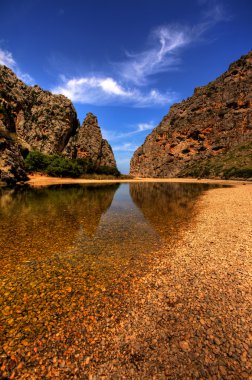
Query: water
70, 256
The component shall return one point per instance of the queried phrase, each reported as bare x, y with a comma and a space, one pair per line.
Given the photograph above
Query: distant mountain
34, 119
206, 135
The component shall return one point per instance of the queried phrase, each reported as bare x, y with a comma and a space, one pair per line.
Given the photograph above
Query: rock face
48, 123
11, 161
215, 119
88, 143
41, 120
106, 157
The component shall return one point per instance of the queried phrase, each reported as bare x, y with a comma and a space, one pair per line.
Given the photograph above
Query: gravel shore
187, 317
190, 318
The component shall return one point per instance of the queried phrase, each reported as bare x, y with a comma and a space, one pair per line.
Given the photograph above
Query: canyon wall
35, 119
216, 120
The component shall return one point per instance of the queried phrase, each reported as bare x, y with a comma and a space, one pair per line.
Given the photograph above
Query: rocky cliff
12, 168
39, 120
42, 121
216, 120
87, 142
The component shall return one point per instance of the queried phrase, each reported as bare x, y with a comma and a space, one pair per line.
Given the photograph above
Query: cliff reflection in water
166, 205
70, 257
47, 220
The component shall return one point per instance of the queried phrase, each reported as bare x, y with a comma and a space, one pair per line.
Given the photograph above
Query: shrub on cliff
36, 162
58, 166
54, 165
62, 167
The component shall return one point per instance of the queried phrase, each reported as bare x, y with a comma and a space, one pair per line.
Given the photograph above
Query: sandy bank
37, 180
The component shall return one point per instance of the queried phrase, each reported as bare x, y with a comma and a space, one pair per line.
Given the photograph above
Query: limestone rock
216, 118
39, 120
106, 157
11, 161
88, 143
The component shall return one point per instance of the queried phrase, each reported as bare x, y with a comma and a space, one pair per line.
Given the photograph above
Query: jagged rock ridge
217, 118
88, 143
39, 120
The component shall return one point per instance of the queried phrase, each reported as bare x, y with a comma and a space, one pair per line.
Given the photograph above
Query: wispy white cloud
126, 147
106, 90
126, 85
213, 11
139, 128
166, 42
25, 77
6, 58
125, 143
212, 14
138, 66
144, 127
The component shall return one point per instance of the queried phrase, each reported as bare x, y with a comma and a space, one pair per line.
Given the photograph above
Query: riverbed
86, 269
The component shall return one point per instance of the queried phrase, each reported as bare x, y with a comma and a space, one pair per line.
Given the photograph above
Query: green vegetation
58, 166
237, 163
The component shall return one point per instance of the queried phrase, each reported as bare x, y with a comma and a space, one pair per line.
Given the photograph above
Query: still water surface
70, 255
92, 222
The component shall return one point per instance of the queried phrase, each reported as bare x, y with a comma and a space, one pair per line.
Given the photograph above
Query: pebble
184, 345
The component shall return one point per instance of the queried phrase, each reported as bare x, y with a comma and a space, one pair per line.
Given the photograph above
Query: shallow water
70, 256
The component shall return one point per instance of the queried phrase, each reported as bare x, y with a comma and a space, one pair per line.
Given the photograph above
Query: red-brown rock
216, 119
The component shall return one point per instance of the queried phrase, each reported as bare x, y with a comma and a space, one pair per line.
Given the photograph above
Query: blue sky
126, 61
